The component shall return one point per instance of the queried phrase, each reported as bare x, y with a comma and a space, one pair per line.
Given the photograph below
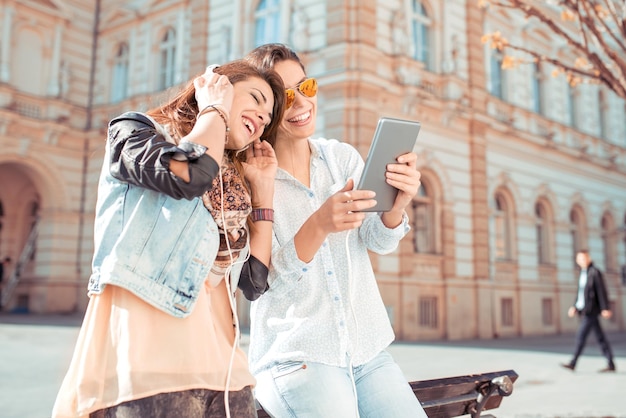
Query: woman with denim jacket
180, 193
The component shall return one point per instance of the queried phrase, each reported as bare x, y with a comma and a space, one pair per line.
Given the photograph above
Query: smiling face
250, 113
299, 120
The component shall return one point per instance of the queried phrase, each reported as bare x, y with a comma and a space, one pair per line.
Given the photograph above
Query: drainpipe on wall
83, 191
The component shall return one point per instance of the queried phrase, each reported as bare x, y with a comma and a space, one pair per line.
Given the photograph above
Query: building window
497, 79
119, 84
542, 227
604, 115
423, 221
537, 89
572, 106
609, 243
546, 312
503, 230
167, 66
267, 22
34, 216
577, 232
428, 312
506, 310
420, 25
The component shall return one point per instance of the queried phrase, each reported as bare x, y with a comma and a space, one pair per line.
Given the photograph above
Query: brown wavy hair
179, 114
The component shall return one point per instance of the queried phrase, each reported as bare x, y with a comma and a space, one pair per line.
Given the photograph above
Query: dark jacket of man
596, 299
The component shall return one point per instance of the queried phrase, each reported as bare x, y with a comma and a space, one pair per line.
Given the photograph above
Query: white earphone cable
231, 298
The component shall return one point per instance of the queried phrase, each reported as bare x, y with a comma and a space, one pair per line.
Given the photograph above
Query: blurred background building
519, 169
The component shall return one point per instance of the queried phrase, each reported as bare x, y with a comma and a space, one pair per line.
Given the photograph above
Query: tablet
392, 138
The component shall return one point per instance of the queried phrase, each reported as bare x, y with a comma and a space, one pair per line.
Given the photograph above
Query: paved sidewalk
35, 352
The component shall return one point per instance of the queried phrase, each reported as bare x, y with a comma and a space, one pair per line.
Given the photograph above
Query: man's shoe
568, 366
609, 369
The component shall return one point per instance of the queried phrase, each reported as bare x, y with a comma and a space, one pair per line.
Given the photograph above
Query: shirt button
330, 273
341, 323
310, 194
304, 269
337, 298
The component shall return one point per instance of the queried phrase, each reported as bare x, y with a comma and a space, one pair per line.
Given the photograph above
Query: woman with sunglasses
318, 336
172, 239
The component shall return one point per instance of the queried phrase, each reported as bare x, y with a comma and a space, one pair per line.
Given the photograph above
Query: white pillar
5, 47
180, 45
132, 47
146, 85
285, 20
53, 82
236, 47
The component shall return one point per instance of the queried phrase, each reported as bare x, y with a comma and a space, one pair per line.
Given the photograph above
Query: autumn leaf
497, 40
581, 62
568, 16
601, 11
509, 62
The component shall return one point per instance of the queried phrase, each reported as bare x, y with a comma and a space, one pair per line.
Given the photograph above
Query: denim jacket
153, 235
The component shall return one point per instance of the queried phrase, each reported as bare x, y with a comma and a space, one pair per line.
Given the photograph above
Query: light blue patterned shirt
309, 312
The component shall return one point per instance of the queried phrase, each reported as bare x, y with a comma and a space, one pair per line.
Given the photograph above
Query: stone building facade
518, 168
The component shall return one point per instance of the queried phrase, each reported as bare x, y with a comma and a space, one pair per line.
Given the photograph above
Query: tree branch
592, 28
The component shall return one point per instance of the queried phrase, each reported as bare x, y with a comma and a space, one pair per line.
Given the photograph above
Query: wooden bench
459, 395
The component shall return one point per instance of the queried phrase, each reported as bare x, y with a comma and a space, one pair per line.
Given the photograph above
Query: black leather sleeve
140, 155
253, 278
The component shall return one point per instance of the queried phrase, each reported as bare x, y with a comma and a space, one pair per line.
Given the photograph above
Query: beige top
127, 350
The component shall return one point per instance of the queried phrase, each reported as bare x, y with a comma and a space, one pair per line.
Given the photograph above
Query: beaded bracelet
262, 214
220, 111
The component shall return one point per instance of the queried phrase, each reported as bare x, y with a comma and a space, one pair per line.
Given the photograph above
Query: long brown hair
266, 57
179, 114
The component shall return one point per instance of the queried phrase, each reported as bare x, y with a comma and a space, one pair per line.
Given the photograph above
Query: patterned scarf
232, 225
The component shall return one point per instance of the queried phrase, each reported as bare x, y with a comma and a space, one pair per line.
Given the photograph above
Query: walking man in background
591, 303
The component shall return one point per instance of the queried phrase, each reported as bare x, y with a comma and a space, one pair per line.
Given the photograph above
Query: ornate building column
5, 47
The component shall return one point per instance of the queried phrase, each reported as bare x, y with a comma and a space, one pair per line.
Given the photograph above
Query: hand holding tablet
392, 138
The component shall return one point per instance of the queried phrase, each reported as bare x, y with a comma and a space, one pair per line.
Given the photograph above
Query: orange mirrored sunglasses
308, 88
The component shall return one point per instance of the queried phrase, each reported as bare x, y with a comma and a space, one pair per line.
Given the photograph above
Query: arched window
423, 220
604, 115
119, 84
421, 31
542, 228
502, 226
537, 89
27, 61
572, 106
33, 215
609, 235
167, 66
497, 81
267, 22
577, 232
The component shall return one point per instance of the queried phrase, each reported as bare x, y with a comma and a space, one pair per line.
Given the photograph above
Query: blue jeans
300, 389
